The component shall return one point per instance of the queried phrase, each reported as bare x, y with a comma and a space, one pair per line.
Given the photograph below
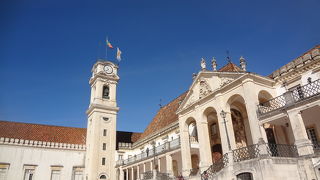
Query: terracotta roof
230, 67
49, 133
165, 116
38, 132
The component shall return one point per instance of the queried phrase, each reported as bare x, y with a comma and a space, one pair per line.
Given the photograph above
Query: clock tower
102, 118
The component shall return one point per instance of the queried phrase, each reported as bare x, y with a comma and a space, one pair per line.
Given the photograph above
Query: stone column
263, 134
169, 164
99, 89
144, 167
127, 174
132, 174
138, 172
204, 142
151, 165
159, 164
251, 102
185, 148
222, 133
304, 145
121, 175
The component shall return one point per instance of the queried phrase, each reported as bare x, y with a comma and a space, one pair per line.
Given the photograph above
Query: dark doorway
271, 142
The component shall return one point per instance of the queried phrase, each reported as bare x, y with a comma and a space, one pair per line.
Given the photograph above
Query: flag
118, 54
109, 44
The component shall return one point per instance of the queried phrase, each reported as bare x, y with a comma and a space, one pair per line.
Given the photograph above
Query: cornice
112, 79
101, 108
297, 70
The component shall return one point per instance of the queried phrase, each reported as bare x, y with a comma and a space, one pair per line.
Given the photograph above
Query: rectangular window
55, 175
3, 173
312, 135
29, 174
103, 161
104, 146
104, 132
78, 175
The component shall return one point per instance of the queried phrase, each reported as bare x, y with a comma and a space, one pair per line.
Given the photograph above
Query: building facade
230, 124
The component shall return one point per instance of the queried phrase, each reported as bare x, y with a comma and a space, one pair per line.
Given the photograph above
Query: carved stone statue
243, 64
203, 64
214, 64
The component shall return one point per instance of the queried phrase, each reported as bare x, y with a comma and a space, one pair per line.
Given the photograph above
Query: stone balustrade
41, 144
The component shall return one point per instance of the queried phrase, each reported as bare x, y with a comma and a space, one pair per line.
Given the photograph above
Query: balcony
166, 147
290, 98
255, 151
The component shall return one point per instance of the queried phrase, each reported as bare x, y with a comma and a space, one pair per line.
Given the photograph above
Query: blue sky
47, 49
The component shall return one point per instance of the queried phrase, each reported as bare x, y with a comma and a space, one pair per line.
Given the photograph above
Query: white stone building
230, 124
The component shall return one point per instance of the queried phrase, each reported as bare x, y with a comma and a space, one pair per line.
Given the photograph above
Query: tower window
103, 161
104, 132
105, 92
104, 146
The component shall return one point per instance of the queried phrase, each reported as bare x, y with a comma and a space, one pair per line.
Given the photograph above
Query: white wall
43, 158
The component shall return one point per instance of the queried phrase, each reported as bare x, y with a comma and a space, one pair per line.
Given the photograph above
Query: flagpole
106, 48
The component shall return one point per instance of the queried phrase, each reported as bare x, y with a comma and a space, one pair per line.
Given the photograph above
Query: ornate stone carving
225, 81
204, 88
191, 100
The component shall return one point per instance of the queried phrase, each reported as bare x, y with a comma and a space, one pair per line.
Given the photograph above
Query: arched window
103, 177
244, 176
105, 92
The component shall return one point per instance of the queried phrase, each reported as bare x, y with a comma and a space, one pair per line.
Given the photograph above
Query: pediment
204, 84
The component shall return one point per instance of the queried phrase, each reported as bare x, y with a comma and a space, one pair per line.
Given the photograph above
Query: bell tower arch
102, 118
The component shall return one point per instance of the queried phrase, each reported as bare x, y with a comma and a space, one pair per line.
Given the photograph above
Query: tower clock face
108, 69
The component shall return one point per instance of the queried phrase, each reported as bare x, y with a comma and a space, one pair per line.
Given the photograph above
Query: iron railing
272, 104
215, 167
250, 152
168, 146
282, 150
147, 175
290, 97
316, 146
306, 91
246, 153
